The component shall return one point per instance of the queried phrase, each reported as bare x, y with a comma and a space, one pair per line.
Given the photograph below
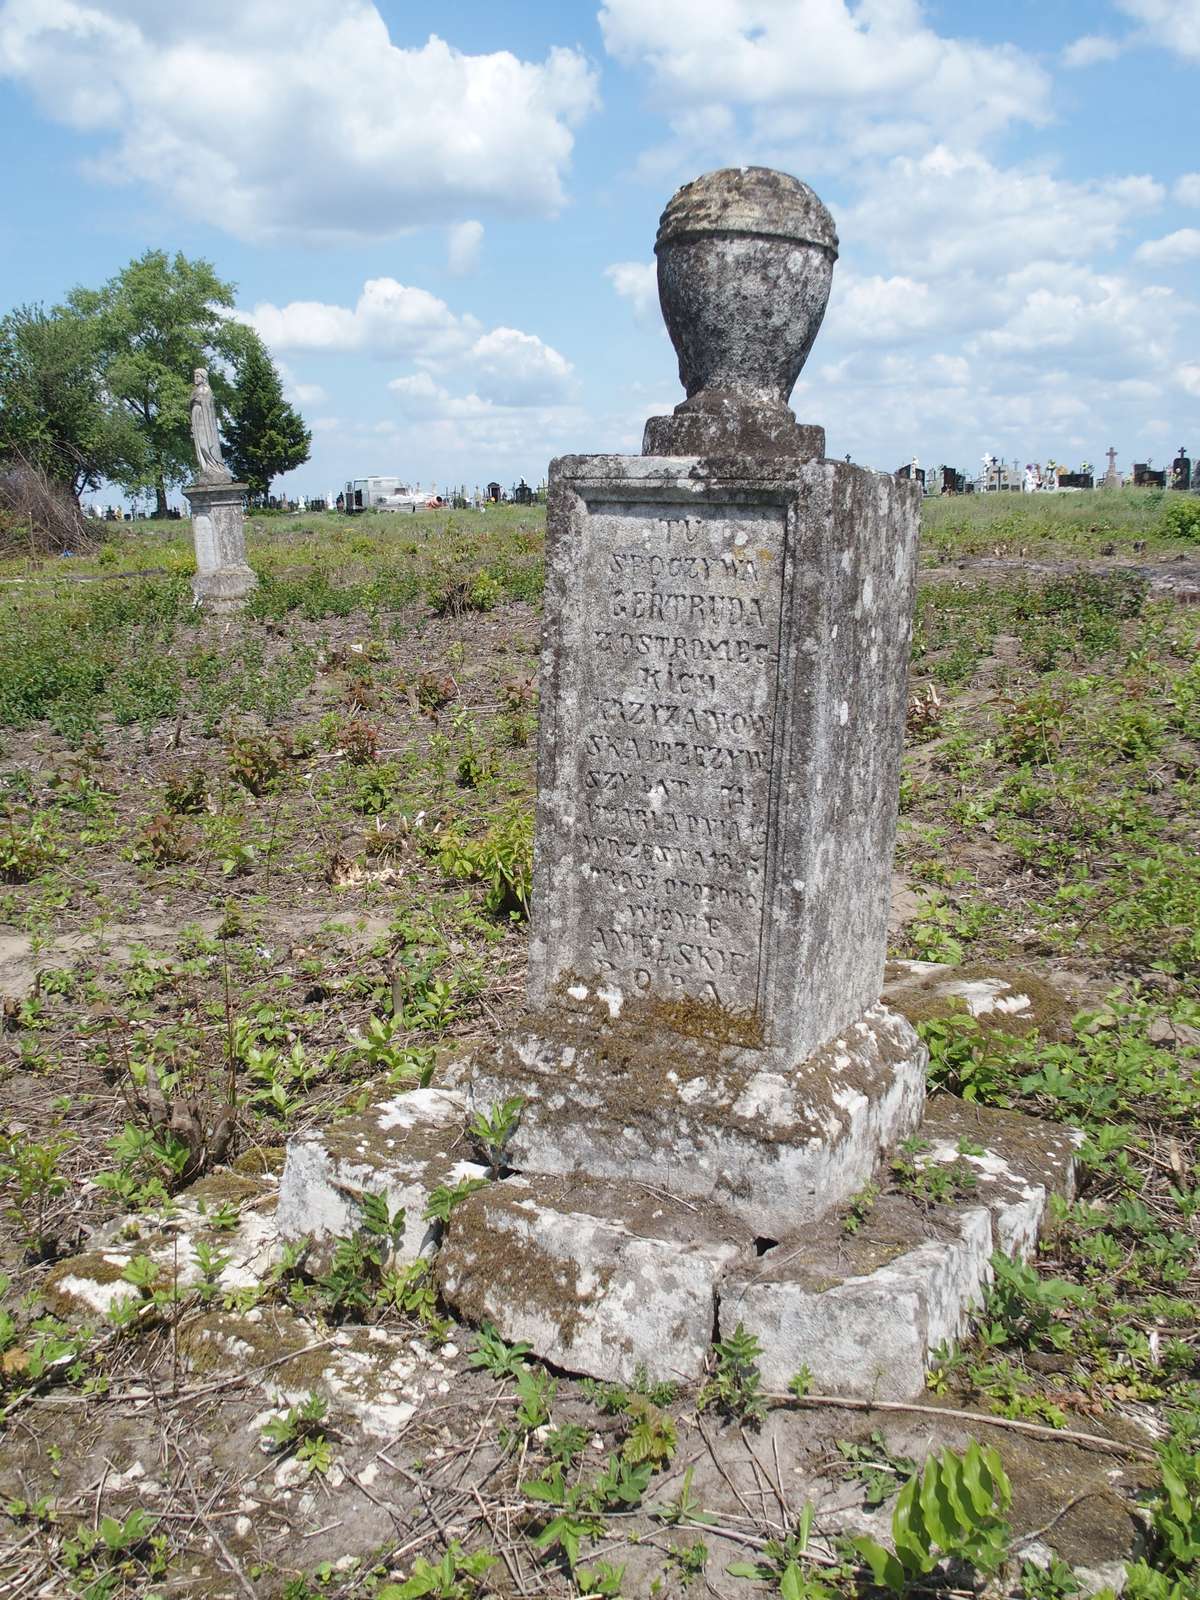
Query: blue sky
441, 218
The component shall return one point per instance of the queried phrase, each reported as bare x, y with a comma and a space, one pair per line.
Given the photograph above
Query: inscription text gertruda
678, 660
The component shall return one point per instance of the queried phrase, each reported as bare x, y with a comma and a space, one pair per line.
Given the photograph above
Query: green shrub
502, 859
1181, 518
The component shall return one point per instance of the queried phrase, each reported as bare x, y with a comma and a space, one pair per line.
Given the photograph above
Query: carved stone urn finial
745, 264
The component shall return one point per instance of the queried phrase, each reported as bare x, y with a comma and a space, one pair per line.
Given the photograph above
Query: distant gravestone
1112, 478
1181, 470
223, 576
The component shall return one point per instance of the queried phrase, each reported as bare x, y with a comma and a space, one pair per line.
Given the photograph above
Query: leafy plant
785, 1565
859, 1208
298, 1430
1023, 1307
685, 1508
502, 859
279, 1079
689, 1561
491, 1130
28, 849
652, 1437
579, 1507
734, 1386
256, 761
493, 1355
535, 1394
360, 743
930, 1182
185, 791
31, 1179
953, 1510
456, 1576
115, 1550
356, 1274
433, 692
875, 1467
166, 840
444, 1198
411, 1290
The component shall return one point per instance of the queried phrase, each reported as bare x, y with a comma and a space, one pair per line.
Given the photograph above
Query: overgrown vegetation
248, 877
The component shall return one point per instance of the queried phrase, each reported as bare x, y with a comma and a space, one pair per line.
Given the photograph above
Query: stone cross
223, 576
1112, 478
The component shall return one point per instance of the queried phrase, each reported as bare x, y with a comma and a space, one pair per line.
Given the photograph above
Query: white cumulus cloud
463, 246
872, 76
1091, 49
299, 117
389, 319
948, 209
637, 282
512, 368
874, 308
1172, 249
1171, 24
505, 368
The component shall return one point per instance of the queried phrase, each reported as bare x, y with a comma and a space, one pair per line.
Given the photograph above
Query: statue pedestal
223, 578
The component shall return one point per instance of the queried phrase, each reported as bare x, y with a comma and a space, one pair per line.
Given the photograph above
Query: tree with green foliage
56, 415
264, 434
153, 324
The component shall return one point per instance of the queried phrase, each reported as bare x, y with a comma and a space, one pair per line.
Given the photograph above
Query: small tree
153, 324
57, 421
264, 434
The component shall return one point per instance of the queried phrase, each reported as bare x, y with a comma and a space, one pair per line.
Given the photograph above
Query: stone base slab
773, 1149
223, 589
403, 1148
605, 1278
865, 1312
598, 1277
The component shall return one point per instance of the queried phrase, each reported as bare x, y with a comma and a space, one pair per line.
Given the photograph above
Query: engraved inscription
678, 677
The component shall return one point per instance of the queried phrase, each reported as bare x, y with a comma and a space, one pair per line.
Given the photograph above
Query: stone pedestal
705, 1076
723, 693
223, 578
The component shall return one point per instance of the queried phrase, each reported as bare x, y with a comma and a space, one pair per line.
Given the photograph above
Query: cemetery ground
255, 871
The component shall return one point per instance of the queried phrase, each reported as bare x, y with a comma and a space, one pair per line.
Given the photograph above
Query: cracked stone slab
599, 1277
866, 1312
774, 1149
403, 1148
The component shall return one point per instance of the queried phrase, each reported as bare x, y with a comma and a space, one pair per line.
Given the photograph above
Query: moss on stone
260, 1160
922, 999
91, 1267
492, 1258
228, 1186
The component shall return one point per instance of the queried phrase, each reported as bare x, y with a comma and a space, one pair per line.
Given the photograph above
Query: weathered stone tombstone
223, 576
705, 1077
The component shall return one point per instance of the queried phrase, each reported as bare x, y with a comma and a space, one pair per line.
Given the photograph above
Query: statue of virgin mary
204, 431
